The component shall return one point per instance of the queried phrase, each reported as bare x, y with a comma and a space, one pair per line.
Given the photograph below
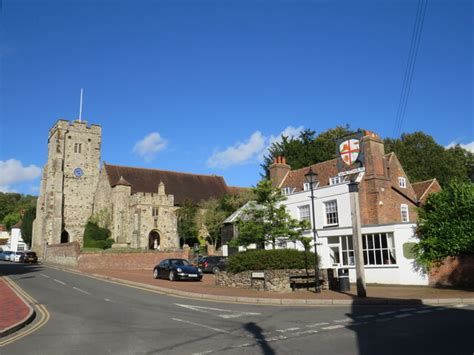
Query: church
137, 205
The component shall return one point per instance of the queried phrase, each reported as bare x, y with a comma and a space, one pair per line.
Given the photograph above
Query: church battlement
76, 126
151, 198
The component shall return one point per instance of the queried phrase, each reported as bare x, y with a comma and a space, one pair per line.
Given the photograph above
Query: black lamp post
310, 177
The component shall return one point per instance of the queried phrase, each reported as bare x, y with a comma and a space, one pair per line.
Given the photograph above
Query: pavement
16, 312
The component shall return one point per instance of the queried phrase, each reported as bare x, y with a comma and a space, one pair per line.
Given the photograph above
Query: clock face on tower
78, 172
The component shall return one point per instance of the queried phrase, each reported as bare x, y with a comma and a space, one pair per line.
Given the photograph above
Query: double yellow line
41, 313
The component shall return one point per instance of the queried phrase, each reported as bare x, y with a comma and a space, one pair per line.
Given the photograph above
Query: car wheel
156, 274
172, 276
215, 269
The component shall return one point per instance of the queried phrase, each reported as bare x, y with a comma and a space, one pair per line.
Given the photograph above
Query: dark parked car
212, 264
177, 269
29, 257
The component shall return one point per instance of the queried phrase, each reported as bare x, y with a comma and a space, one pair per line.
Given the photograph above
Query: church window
77, 147
154, 212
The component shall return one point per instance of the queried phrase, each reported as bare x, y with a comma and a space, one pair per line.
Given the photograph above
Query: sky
206, 86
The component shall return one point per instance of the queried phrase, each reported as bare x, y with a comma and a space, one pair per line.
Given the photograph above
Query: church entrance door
154, 240
64, 237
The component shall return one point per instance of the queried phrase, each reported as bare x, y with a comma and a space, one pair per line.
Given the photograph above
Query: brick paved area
13, 310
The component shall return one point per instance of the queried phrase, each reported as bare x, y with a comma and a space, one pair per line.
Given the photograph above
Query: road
92, 316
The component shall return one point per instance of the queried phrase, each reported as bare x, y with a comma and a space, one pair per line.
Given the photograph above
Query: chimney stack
278, 170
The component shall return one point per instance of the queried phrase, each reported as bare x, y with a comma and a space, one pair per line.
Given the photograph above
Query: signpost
350, 150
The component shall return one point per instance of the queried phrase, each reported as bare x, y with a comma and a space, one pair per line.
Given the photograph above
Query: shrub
97, 237
275, 259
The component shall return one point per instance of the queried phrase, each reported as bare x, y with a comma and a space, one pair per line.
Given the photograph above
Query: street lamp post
310, 177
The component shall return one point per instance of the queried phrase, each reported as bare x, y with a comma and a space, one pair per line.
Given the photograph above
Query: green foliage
276, 259
306, 149
102, 218
216, 210
446, 224
27, 225
187, 222
97, 237
11, 219
422, 158
266, 219
14, 202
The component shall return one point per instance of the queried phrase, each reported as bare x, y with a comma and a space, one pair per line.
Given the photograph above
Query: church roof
184, 186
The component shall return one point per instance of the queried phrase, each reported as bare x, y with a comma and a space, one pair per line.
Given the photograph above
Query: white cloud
238, 154
149, 146
12, 171
468, 146
253, 149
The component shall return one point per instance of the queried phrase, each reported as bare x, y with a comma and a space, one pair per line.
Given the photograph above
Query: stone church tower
68, 183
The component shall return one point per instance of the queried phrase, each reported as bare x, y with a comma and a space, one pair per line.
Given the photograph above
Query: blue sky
206, 86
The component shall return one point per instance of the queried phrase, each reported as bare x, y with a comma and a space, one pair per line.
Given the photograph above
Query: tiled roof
184, 186
421, 187
3, 228
325, 170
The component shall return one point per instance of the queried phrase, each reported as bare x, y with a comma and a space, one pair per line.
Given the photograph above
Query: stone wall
453, 272
64, 254
275, 280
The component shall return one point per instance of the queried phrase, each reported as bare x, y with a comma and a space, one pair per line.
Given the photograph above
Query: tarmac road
92, 316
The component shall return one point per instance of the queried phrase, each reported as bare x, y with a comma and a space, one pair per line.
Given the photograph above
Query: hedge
97, 237
275, 259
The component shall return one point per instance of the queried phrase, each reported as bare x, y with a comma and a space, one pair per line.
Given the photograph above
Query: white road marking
317, 324
403, 315
107, 299
60, 282
460, 305
424, 311
333, 327
386, 313
407, 309
287, 330
229, 313
366, 316
345, 320
78, 289
201, 325
45, 276
304, 332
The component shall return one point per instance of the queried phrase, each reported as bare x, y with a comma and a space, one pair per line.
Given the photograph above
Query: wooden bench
303, 281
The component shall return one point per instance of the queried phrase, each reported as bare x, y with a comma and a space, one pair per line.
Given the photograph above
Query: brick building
388, 203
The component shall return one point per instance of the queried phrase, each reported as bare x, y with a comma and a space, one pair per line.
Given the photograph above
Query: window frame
331, 217
402, 182
301, 217
404, 213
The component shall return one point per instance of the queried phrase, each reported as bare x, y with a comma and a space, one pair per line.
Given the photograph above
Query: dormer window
287, 190
306, 186
336, 180
402, 182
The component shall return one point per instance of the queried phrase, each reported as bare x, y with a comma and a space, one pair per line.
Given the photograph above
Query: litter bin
343, 275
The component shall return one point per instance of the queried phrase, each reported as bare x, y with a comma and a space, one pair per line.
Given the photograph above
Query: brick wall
127, 261
64, 254
453, 272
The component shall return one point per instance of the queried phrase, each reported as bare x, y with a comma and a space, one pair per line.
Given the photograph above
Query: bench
303, 281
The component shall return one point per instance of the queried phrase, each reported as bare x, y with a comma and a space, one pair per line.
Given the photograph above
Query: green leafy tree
306, 149
215, 211
187, 223
8, 203
422, 158
97, 237
446, 224
266, 219
27, 225
11, 219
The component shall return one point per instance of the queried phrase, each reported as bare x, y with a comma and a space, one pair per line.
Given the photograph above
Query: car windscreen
180, 262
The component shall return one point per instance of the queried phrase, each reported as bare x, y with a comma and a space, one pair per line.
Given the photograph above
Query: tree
266, 219
215, 211
422, 158
306, 149
187, 222
8, 203
446, 224
11, 219
27, 225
